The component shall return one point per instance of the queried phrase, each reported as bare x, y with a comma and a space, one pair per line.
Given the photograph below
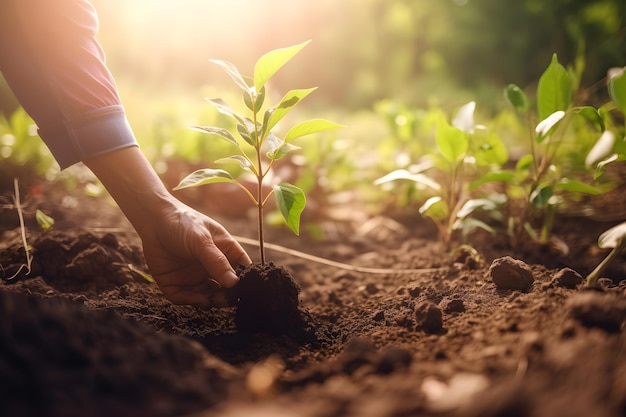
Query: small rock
567, 278
371, 288
429, 317
414, 291
456, 305
511, 274
380, 316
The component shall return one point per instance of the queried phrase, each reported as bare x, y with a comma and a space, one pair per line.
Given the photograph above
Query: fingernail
230, 279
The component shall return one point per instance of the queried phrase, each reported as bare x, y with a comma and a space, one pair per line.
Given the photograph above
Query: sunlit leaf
602, 148
524, 163
452, 142
43, 220
232, 70
271, 62
541, 196
204, 176
278, 148
517, 98
435, 208
554, 90
612, 237
472, 205
310, 126
546, 125
275, 114
217, 131
464, 119
224, 108
253, 99
490, 151
403, 174
606, 161
291, 202
240, 160
592, 115
568, 184
496, 176
617, 88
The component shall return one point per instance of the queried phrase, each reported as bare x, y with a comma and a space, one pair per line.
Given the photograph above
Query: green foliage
462, 151
254, 133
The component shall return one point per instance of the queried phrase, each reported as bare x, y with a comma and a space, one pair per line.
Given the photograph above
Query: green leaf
278, 147
524, 163
612, 237
271, 62
43, 220
472, 205
547, 126
452, 142
490, 151
403, 174
225, 109
516, 98
253, 101
435, 208
310, 126
617, 88
606, 161
568, 184
592, 115
498, 176
291, 202
541, 196
233, 72
554, 90
204, 176
217, 131
240, 160
275, 114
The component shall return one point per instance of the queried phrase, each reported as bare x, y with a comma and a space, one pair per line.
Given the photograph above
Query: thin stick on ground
29, 257
340, 265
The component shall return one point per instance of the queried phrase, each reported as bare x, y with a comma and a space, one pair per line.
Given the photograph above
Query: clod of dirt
511, 274
599, 310
429, 317
266, 298
567, 278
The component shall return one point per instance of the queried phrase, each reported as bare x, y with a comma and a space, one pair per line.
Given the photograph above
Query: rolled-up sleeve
52, 61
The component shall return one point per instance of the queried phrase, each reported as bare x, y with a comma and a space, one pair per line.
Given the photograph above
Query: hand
191, 257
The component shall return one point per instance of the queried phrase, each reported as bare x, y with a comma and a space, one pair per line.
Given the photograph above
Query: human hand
191, 257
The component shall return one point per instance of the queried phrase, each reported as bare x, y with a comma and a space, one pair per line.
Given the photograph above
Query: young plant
461, 151
614, 238
258, 146
540, 178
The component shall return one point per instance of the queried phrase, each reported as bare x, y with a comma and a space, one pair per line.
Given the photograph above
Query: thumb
217, 266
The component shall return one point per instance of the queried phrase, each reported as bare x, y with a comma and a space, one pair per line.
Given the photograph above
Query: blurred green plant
463, 151
257, 145
22, 152
543, 178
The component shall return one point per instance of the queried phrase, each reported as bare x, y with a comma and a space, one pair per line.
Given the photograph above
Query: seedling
258, 146
460, 152
614, 238
540, 176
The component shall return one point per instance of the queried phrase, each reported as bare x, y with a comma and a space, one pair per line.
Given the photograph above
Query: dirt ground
446, 335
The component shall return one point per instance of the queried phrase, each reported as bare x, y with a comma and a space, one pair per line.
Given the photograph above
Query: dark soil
511, 332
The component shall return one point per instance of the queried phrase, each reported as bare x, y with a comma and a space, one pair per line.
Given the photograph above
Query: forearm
134, 185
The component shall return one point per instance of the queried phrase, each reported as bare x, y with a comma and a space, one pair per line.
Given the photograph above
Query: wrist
134, 185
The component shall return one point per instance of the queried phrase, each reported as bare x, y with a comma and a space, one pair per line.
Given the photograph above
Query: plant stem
260, 177
592, 278
18, 207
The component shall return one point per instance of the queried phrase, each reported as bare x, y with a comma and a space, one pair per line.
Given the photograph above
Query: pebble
511, 274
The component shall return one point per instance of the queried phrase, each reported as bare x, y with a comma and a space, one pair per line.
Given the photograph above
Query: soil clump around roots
511, 332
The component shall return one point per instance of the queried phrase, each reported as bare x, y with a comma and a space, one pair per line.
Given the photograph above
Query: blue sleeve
52, 61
